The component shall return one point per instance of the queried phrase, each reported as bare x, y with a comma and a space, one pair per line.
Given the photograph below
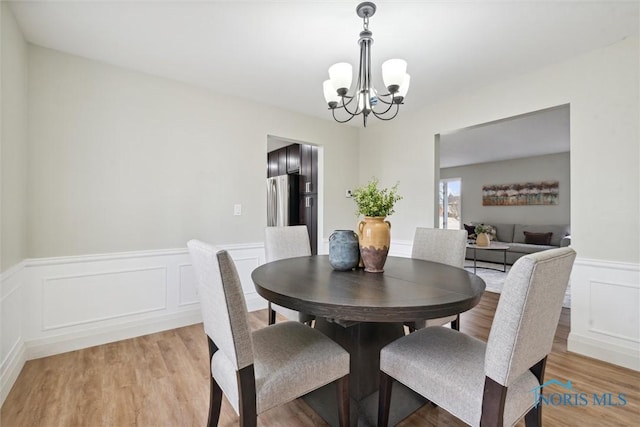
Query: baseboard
11, 368
608, 352
90, 337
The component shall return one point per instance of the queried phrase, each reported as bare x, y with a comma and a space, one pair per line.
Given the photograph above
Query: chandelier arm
351, 99
351, 116
379, 115
381, 99
356, 96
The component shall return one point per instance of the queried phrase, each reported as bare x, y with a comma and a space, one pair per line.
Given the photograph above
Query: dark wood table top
409, 289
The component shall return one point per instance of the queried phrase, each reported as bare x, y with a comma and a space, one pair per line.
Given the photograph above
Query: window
450, 203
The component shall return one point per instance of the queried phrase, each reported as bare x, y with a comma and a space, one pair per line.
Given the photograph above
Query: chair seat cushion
292, 359
447, 367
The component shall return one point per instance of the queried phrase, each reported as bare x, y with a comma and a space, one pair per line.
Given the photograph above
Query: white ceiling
278, 52
534, 134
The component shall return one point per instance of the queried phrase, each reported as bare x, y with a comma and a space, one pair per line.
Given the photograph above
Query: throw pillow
537, 238
471, 230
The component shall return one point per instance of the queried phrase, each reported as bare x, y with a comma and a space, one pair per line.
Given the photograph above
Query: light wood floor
161, 380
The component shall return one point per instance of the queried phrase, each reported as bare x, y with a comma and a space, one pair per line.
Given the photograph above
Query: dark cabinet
309, 192
283, 161
293, 158
300, 159
272, 164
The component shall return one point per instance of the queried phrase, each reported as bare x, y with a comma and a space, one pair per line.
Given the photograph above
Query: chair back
224, 309
438, 245
286, 242
527, 315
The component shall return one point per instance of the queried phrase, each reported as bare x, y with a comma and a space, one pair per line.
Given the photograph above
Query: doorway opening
299, 165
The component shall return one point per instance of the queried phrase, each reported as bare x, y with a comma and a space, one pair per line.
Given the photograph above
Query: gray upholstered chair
490, 383
260, 370
281, 243
443, 246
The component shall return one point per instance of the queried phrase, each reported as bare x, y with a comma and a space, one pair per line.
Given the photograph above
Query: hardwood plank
162, 380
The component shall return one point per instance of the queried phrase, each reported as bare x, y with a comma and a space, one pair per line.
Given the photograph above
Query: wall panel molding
77, 299
187, 289
605, 320
54, 305
33, 322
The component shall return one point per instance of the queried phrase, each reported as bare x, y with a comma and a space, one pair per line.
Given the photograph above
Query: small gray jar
344, 250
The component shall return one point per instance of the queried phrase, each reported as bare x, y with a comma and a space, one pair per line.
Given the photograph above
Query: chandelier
365, 99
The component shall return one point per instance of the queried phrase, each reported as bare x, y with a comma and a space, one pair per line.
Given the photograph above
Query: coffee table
492, 247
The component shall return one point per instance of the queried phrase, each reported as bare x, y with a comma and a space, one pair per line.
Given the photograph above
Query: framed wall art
528, 193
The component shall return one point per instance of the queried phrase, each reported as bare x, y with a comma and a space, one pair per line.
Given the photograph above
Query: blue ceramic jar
344, 250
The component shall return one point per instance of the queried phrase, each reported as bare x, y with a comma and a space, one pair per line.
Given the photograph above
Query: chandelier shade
365, 99
340, 75
330, 93
394, 72
404, 87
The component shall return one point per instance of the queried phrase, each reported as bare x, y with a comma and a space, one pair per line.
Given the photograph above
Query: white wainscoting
12, 349
50, 306
605, 306
55, 305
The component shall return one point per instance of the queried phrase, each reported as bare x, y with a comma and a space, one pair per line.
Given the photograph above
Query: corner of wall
12, 346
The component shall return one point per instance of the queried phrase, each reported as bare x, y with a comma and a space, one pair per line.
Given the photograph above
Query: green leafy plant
483, 228
486, 229
373, 201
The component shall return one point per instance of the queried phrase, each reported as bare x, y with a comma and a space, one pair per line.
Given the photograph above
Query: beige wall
602, 90
553, 167
121, 160
13, 143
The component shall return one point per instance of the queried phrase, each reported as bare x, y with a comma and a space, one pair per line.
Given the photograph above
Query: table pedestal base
363, 341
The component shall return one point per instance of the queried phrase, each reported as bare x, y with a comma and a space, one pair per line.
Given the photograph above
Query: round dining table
364, 312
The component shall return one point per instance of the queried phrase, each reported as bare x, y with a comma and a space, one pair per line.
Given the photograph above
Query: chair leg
215, 403
247, 388
272, 315
455, 324
342, 386
215, 392
493, 402
384, 399
533, 418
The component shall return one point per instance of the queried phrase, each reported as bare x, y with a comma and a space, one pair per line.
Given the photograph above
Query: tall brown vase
483, 239
375, 239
